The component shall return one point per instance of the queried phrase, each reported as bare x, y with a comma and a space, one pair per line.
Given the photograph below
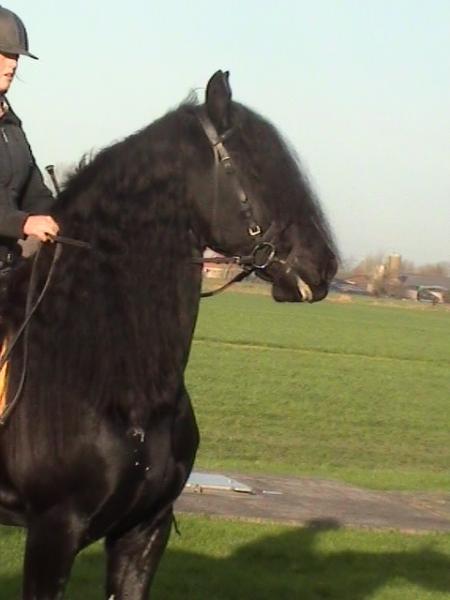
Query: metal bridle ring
263, 255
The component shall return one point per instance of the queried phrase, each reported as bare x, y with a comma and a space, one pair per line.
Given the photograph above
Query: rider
25, 201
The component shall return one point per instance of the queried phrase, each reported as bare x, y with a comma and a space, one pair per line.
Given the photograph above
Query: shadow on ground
285, 567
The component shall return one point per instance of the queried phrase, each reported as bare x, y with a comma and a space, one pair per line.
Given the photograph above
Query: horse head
253, 200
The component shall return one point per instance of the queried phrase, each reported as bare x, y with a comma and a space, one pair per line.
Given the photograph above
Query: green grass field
357, 392
221, 560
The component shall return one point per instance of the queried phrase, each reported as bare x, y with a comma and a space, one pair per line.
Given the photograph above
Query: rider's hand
41, 226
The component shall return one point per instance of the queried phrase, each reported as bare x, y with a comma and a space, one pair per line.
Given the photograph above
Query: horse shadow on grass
286, 567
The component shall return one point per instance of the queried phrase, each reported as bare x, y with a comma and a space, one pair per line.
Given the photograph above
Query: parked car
433, 293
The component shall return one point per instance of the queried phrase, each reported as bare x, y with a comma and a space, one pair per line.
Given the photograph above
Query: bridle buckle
254, 230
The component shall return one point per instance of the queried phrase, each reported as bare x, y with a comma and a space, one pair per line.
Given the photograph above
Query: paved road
321, 502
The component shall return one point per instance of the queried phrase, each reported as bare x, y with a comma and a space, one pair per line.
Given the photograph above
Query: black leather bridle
263, 253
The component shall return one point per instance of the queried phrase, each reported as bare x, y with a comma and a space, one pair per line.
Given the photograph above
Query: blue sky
361, 88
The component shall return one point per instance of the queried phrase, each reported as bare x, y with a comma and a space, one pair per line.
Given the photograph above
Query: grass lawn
357, 392
221, 560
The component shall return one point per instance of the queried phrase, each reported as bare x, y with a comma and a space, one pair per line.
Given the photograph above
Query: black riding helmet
13, 35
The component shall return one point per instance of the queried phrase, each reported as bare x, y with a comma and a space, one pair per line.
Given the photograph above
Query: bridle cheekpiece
263, 253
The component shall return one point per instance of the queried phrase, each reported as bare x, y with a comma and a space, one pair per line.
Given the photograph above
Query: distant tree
375, 267
441, 269
369, 265
408, 266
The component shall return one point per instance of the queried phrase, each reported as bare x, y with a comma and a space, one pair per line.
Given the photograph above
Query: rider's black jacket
22, 189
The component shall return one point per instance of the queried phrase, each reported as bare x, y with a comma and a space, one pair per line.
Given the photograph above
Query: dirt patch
302, 501
340, 299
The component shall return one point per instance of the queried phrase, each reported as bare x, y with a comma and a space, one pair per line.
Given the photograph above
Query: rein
261, 257
30, 309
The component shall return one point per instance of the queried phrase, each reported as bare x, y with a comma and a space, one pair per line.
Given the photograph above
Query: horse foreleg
52, 543
132, 558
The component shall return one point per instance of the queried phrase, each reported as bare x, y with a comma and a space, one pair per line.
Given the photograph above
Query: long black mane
112, 314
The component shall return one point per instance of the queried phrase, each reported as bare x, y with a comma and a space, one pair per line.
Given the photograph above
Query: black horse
103, 437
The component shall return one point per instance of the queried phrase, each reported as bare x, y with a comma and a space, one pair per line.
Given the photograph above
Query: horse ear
218, 100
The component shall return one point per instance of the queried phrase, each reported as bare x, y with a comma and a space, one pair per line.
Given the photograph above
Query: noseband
263, 253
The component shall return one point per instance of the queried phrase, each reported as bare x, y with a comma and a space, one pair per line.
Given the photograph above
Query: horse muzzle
288, 285
298, 290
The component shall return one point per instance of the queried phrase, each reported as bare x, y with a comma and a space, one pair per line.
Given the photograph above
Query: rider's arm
36, 197
37, 201
12, 219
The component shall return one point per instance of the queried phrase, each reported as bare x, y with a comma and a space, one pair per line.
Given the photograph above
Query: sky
361, 89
